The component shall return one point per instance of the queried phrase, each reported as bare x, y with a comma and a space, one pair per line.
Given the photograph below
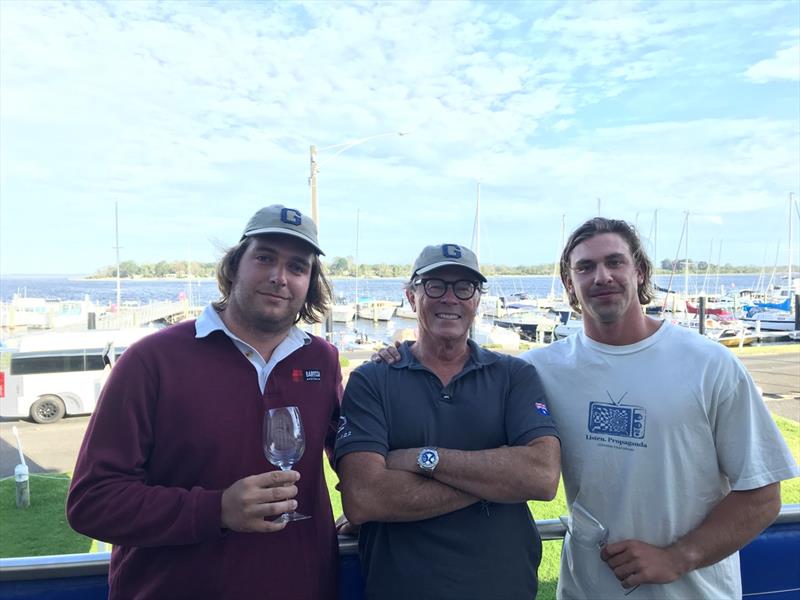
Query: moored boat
376, 310
343, 313
404, 311
771, 320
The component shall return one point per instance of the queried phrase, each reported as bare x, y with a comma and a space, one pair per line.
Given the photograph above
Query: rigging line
774, 267
675, 262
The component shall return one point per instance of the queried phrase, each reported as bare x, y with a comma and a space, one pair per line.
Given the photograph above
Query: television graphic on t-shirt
616, 419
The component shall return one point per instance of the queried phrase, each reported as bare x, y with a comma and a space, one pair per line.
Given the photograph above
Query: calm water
103, 293
201, 292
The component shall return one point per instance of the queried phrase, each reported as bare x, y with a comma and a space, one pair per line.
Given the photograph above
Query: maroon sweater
179, 420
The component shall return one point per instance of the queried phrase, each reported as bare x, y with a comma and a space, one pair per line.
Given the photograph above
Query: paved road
778, 376
54, 447
50, 448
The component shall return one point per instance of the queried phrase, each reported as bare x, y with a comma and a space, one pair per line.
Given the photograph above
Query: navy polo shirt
483, 551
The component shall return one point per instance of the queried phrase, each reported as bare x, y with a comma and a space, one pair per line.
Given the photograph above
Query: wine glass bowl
284, 443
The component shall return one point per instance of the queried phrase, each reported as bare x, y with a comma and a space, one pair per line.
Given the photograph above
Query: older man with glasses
439, 452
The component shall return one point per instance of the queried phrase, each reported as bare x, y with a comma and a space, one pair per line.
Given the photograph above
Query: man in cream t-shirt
670, 459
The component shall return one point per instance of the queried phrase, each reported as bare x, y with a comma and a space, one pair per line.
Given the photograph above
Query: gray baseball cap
277, 218
443, 255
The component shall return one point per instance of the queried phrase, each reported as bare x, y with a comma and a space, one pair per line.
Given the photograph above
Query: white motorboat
343, 313
489, 334
376, 310
491, 306
24, 312
571, 322
532, 325
404, 311
771, 320
729, 333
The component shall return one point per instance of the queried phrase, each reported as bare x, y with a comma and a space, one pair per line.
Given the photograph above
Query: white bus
49, 375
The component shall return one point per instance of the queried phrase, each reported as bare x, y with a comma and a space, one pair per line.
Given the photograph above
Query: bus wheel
48, 409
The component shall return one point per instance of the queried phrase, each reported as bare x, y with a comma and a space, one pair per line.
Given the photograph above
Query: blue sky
192, 115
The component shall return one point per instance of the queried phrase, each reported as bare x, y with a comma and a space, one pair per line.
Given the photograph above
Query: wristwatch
427, 459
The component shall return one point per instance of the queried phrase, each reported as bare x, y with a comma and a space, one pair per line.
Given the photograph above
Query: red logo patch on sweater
299, 375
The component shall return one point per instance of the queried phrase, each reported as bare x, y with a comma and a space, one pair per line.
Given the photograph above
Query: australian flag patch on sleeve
542, 408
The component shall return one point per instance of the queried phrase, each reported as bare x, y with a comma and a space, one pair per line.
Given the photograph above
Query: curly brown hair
318, 298
627, 232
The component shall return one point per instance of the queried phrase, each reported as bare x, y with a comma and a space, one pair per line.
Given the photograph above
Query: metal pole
701, 315
791, 245
316, 329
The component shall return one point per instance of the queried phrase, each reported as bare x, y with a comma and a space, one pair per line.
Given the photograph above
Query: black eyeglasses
436, 288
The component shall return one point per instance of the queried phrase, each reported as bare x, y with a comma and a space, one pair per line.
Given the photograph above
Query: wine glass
284, 443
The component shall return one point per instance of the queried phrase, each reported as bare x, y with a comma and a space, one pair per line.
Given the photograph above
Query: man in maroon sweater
172, 469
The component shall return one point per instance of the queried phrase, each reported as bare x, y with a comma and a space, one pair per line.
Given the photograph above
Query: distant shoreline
75, 277
188, 279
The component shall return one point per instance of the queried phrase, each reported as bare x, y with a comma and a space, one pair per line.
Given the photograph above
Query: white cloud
785, 65
213, 106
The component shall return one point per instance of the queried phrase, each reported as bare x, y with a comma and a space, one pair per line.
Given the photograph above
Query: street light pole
312, 181
314, 165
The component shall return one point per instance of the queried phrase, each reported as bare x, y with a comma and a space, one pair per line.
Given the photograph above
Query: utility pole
314, 165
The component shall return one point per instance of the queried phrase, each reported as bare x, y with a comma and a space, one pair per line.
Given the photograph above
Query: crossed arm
375, 488
737, 519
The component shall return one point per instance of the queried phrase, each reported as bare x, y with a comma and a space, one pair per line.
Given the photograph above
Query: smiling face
270, 284
447, 318
604, 277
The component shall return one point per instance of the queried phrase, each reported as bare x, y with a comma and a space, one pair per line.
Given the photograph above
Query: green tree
128, 268
339, 267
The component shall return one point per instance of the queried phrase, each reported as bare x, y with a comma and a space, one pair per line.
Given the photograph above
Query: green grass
42, 528
790, 490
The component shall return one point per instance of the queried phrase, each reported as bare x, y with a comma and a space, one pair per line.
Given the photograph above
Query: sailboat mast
791, 245
476, 246
557, 261
655, 235
476, 226
358, 216
686, 261
116, 247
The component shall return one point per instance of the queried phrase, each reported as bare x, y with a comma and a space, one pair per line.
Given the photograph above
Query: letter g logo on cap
290, 216
451, 251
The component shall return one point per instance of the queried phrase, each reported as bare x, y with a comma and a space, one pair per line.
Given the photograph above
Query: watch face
428, 459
